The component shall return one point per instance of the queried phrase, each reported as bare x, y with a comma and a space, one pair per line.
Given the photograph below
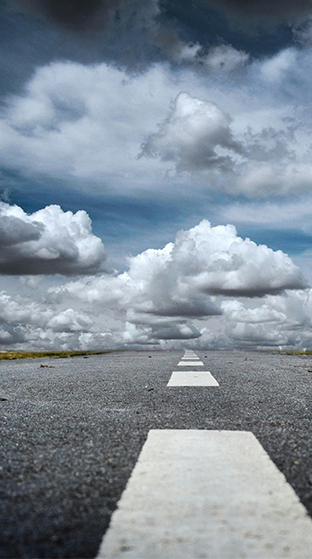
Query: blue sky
123, 124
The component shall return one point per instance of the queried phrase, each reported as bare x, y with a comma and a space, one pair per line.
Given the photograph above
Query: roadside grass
40, 354
292, 351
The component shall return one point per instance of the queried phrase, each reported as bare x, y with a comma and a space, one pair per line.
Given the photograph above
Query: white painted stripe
191, 364
208, 494
192, 378
190, 359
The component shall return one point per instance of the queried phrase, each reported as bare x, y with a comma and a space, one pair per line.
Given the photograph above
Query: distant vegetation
293, 351
41, 354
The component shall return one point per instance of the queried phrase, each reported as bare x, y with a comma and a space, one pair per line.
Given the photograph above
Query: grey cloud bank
166, 295
49, 241
74, 14
264, 9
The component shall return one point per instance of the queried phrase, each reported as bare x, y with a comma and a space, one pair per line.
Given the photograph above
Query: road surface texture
72, 431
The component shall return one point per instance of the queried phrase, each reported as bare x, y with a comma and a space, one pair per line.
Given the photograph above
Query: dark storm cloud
130, 33
95, 14
14, 231
278, 9
195, 308
74, 14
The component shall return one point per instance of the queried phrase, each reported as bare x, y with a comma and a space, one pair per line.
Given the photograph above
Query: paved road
71, 434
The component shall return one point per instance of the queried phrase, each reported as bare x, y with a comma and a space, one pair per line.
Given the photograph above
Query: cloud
167, 293
281, 321
225, 58
184, 291
271, 214
213, 260
190, 135
275, 68
303, 32
77, 15
204, 141
73, 122
48, 241
175, 280
280, 9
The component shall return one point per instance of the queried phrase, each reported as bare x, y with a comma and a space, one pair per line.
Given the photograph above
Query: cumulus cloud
191, 133
184, 291
48, 241
216, 261
166, 293
201, 139
281, 321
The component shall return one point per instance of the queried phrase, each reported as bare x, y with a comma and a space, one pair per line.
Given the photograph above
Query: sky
155, 174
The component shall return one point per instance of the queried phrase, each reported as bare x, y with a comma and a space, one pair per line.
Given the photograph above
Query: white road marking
192, 378
209, 495
191, 364
190, 359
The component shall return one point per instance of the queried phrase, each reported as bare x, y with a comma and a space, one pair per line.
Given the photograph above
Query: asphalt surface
71, 432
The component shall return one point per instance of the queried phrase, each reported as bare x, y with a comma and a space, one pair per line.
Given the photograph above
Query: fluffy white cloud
201, 139
73, 122
172, 295
167, 294
212, 260
48, 241
190, 135
175, 281
283, 320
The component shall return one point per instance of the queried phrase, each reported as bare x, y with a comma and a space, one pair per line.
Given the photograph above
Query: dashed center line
190, 364
188, 360
192, 378
208, 494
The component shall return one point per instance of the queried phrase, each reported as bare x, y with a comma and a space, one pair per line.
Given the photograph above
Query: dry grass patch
40, 354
